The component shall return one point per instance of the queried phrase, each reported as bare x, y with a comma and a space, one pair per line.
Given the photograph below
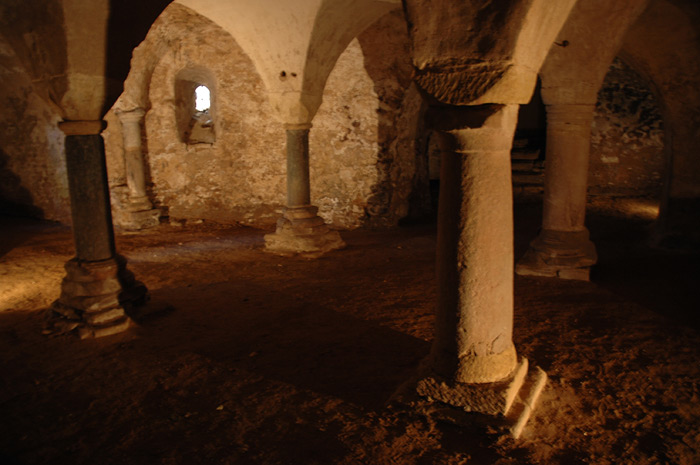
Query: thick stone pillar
473, 362
97, 286
300, 231
563, 248
139, 213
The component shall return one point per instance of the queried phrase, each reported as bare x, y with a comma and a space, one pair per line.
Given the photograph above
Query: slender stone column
298, 182
563, 248
300, 231
139, 213
473, 360
97, 286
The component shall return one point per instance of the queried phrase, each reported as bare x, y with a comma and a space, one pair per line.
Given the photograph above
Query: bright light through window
202, 96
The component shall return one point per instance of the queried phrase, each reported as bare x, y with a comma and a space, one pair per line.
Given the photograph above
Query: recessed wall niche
195, 119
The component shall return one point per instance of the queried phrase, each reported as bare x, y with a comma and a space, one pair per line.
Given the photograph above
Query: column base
140, 219
487, 398
559, 254
139, 214
94, 299
300, 231
504, 406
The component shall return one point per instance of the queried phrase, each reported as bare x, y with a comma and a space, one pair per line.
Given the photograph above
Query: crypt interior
350, 231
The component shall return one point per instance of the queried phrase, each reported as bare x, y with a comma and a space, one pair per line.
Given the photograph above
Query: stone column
473, 362
300, 231
97, 286
139, 213
563, 248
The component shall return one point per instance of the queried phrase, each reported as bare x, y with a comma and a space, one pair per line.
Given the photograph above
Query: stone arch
627, 137
663, 47
241, 177
294, 45
147, 55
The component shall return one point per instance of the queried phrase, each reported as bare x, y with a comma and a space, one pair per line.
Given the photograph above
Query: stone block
487, 398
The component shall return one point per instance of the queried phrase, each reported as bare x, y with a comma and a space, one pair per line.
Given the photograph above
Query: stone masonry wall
241, 177
627, 140
33, 177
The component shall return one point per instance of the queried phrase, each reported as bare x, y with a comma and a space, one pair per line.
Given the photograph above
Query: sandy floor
252, 358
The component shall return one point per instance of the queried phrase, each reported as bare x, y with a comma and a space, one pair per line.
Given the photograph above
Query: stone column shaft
473, 364
89, 197
562, 248
139, 213
133, 156
300, 231
97, 285
298, 182
474, 324
566, 175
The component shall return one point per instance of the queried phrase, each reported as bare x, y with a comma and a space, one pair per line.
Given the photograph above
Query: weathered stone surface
136, 220
562, 247
94, 298
89, 195
487, 398
32, 164
474, 322
294, 44
627, 137
33, 38
663, 46
527, 400
563, 254
300, 231
584, 48
362, 145
482, 52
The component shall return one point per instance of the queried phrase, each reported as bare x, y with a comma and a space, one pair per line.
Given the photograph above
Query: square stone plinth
286, 242
487, 398
140, 219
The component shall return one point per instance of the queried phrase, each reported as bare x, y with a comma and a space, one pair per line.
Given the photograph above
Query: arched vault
581, 55
294, 44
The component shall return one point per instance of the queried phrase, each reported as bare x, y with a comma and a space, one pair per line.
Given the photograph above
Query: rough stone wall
627, 139
33, 177
239, 178
401, 164
355, 150
664, 46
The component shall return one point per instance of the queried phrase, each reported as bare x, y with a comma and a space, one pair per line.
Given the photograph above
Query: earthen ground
252, 358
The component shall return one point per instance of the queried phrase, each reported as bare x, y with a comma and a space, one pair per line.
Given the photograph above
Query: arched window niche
195, 105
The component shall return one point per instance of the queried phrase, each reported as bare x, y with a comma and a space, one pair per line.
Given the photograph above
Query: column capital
130, 116
82, 128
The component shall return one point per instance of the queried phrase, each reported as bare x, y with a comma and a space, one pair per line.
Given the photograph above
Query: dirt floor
249, 358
